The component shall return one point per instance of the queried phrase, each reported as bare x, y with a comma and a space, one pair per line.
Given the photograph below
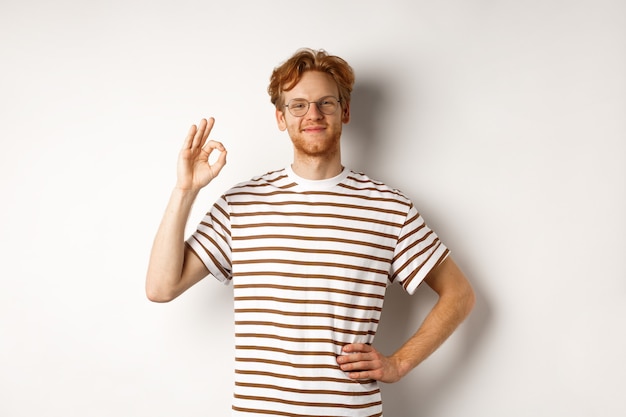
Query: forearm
447, 314
168, 250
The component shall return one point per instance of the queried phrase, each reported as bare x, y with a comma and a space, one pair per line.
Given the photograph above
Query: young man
310, 250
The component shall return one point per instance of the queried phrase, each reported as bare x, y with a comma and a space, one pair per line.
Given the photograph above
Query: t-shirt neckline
315, 185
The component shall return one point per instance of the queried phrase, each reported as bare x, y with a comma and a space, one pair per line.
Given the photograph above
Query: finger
359, 361
219, 163
216, 168
189, 138
351, 359
208, 129
357, 347
359, 375
204, 134
197, 138
213, 144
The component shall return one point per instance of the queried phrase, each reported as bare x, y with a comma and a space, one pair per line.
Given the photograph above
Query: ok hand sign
194, 170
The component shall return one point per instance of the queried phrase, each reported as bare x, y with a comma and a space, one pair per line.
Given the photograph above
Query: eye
297, 105
327, 101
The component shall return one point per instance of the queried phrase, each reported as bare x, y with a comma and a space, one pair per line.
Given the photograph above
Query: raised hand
194, 170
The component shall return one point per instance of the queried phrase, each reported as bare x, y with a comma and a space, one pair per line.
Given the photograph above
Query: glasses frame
317, 103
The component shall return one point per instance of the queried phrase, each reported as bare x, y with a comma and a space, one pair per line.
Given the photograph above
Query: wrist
403, 365
184, 194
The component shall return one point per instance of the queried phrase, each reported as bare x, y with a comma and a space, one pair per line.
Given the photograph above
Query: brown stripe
245, 191
412, 245
315, 264
317, 239
435, 244
295, 314
359, 196
314, 226
287, 351
215, 244
323, 302
412, 232
400, 198
290, 339
217, 264
265, 179
280, 413
304, 378
307, 289
367, 220
307, 391
376, 209
313, 251
410, 278
289, 364
307, 404
304, 327
306, 276
219, 208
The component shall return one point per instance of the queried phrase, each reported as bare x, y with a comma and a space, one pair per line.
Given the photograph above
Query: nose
314, 111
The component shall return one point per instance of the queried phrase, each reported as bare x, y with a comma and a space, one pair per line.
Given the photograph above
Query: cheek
292, 127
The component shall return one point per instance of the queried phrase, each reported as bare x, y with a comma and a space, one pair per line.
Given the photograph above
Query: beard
316, 146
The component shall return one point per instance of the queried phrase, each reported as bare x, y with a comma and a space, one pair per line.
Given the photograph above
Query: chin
323, 148
316, 150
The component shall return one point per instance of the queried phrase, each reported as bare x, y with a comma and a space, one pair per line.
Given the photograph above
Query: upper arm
193, 271
448, 281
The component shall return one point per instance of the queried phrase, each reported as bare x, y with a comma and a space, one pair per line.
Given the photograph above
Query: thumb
217, 166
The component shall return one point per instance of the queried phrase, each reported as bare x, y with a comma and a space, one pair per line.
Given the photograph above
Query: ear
345, 113
280, 119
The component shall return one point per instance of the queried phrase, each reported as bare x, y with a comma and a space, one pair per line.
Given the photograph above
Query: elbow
157, 294
468, 300
157, 297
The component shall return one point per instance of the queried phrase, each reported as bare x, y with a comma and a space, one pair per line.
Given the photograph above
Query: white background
503, 121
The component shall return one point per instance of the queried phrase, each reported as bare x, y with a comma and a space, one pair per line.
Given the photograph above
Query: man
309, 249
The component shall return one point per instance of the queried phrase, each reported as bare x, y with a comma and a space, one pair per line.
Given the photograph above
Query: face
315, 134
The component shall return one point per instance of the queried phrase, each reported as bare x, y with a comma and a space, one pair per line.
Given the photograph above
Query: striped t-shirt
309, 262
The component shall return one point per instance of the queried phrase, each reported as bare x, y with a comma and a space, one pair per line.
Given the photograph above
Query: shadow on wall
363, 133
402, 314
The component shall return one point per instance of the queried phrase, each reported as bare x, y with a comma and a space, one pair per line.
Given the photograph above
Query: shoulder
264, 184
359, 182
277, 178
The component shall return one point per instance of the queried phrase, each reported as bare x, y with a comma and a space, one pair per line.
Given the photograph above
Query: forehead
312, 86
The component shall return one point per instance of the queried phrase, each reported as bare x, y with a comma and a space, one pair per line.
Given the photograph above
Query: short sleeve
211, 241
417, 252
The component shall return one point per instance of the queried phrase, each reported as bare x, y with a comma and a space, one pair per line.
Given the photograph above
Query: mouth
314, 129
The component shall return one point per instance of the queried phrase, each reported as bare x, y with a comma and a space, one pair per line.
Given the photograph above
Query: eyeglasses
298, 107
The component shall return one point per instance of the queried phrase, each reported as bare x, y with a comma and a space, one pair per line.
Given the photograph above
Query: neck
313, 168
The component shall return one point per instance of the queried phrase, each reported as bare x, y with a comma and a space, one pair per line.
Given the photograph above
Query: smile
314, 129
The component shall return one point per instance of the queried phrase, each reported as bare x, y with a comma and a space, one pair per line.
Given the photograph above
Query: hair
288, 74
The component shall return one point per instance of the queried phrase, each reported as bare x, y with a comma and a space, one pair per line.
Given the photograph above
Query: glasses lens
298, 107
327, 105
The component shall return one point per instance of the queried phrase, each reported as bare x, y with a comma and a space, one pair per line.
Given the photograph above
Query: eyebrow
321, 97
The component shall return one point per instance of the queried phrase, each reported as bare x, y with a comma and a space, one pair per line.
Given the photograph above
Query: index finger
202, 133
207, 131
190, 135
357, 347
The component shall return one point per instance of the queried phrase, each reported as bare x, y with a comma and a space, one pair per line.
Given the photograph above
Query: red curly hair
288, 74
